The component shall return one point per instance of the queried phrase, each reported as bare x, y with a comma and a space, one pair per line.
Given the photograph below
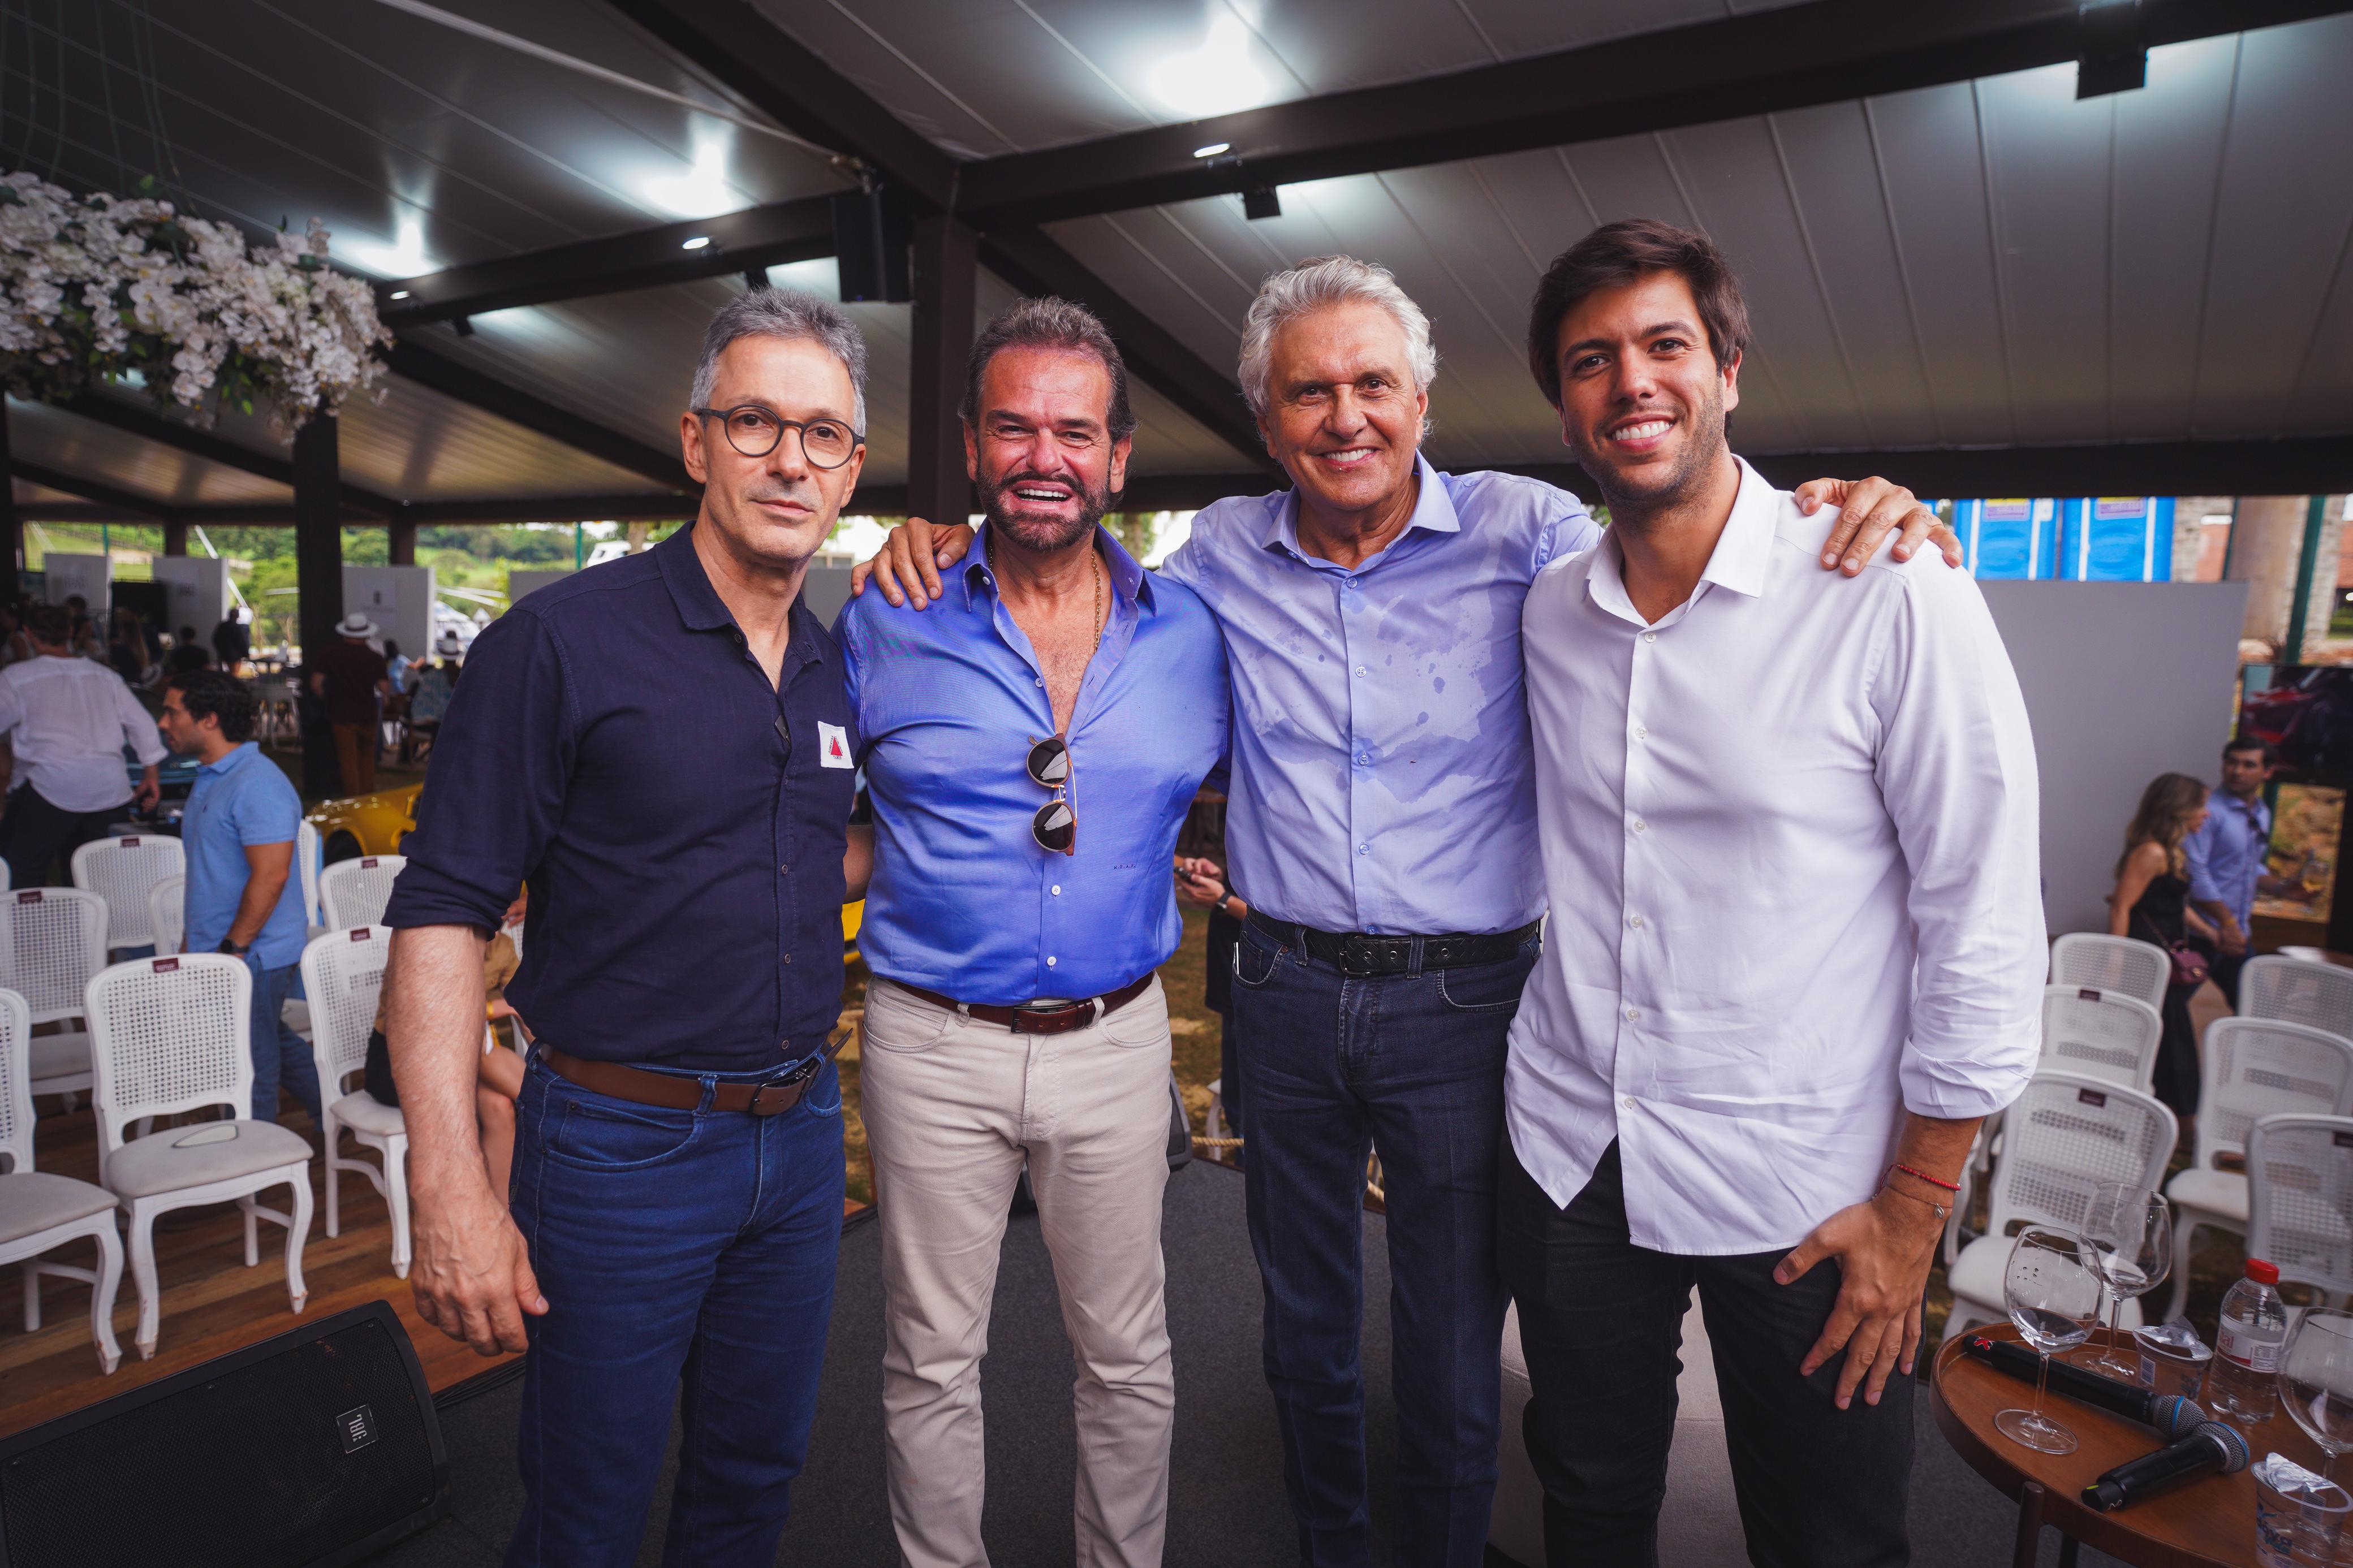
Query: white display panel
398, 599
88, 575
198, 590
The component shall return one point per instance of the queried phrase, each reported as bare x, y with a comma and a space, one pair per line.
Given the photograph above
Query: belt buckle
775, 1098
1040, 1020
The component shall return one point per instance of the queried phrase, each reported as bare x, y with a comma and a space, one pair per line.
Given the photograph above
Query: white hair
1310, 286
782, 313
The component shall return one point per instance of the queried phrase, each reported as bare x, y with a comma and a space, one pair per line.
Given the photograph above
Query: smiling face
775, 510
1643, 401
1040, 449
1344, 416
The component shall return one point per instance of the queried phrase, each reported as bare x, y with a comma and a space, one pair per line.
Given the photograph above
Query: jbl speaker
317, 1447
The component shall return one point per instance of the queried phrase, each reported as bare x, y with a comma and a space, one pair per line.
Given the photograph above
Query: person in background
242, 895
126, 647
430, 689
231, 642
67, 721
1201, 881
352, 677
396, 667
88, 640
2152, 902
186, 658
2225, 860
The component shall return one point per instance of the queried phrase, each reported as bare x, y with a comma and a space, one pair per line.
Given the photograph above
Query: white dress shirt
1789, 843
68, 720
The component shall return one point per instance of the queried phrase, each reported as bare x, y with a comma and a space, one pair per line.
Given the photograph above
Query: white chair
167, 915
354, 892
2254, 1068
343, 973
170, 1035
56, 940
2136, 968
306, 860
2101, 1034
40, 1212
2317, 996
2300, 1199
2065, 1135
124, 871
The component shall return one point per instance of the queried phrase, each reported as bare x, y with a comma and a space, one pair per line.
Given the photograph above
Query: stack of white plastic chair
354, 892
55, 941
306, 864
167, 915
2101, 1034
2300, 1208
2138, 968
124, 871
2065, 1135
2317, 996
2254, 1068
170, 1035
343, 973
40, 1212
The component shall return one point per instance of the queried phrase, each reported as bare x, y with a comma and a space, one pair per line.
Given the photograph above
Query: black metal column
946, 264
400, 549
175, 538
12, 527
318, 577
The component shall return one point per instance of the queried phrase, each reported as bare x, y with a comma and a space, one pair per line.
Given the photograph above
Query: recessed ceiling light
697, 243
1213, 149
400, 293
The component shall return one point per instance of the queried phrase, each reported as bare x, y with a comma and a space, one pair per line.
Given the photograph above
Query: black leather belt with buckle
1361, 953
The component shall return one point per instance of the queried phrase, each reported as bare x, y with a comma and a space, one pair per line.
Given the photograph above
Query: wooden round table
2206, 1523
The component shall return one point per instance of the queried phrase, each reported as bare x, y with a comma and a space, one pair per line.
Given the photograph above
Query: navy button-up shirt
681, 822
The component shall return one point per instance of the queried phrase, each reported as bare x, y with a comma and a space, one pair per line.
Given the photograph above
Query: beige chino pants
952, 1105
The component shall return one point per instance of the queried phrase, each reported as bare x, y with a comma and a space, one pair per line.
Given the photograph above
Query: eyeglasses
1055, 827
755, 432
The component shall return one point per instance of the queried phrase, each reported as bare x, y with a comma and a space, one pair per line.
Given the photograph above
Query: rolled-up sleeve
1956, 768
494, 788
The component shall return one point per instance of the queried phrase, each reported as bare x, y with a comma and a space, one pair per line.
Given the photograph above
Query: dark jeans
694, 1245
1412, 1065
1601, 1321
280, 1055
35, 835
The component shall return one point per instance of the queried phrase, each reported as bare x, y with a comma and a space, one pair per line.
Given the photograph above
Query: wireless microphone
2210, 1446
2130, 1400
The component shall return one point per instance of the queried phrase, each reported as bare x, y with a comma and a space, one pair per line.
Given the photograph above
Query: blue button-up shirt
1384, 780
2226, 856
681, 822
243, 799
949, 701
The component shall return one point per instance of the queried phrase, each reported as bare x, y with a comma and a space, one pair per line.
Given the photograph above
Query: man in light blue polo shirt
242, 898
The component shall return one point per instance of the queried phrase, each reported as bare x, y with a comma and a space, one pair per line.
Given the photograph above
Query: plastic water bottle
2241, 1381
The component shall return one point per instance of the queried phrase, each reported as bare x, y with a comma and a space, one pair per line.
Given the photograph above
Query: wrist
234, 948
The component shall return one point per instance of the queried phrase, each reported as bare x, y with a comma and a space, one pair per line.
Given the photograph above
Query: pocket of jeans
824, 1096
602, 1134
1141, 1024
1483, 987
1256, 954
897, 1021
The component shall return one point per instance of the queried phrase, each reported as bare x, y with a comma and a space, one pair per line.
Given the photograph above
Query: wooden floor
212, 1303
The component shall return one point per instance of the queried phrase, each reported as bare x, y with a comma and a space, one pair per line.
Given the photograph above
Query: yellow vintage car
378, 823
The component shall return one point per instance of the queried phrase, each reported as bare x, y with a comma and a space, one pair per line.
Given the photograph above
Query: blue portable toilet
2011, 538
2117, 538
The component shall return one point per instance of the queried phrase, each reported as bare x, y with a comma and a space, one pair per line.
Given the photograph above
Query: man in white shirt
1796, 954
66, 719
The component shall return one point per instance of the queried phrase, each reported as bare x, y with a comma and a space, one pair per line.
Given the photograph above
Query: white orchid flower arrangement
101, 287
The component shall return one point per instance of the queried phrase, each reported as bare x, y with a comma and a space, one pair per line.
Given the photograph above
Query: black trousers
1601, 1323
36, 835
2225, 967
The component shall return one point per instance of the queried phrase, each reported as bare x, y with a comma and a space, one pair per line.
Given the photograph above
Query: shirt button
1641, 733
1634, 921
1633, 1014
1050, 963
1058, 889
1360, 670
1640, 826
1628, 1102
1041, 683
785, 870
788, 958
1649, 637
1364, 848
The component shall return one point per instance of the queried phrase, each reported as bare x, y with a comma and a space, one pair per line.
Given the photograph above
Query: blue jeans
280, 1055
1333, 1066
694, 1245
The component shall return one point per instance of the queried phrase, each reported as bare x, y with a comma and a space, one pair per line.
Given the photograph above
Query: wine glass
2053, 1297
2316, 1380
2130, 1228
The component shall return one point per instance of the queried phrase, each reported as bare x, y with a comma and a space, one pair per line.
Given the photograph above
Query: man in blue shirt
659, 748
2227, 857
238, 832
1383, 831
1030, 750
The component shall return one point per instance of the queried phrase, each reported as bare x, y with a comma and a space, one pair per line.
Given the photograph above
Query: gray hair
782, 313
1048, 323
1314, 284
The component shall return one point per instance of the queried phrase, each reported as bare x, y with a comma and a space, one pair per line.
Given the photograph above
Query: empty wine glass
2316, 1380
2130, 1228
2053, 1297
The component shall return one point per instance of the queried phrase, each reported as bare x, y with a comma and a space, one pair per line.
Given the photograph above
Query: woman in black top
2151, 902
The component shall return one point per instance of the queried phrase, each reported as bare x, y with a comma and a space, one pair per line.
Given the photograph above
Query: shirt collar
1433, 510
1131, 585
1743, 552
233, 760
690, 585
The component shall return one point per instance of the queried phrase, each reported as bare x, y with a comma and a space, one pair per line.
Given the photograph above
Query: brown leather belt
642, 1087
1058, 1020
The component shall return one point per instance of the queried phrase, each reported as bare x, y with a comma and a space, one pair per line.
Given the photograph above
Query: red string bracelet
1924, 1177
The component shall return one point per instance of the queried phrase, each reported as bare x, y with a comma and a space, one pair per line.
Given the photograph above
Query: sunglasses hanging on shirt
1055, 827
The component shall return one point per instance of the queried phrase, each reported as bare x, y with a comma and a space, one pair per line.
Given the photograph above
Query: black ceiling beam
631, 507
418, 364
753, 239
1790, 57
149, 426
111, 498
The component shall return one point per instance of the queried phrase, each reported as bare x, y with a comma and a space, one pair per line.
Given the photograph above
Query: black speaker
318, 1447
871, 231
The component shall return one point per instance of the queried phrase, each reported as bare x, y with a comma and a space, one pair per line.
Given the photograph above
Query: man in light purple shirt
2227, 857
1383, 831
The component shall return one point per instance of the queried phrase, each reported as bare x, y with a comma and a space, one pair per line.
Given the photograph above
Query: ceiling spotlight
697, 243
400, 293
1218, 78
1213, 149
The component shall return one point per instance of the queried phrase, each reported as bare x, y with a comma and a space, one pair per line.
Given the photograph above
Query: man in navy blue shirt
1030, 746
660, 748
